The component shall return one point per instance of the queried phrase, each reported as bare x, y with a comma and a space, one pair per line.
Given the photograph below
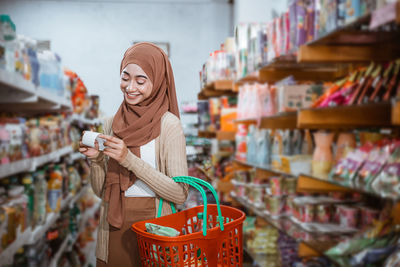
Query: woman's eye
140, 83
125, 79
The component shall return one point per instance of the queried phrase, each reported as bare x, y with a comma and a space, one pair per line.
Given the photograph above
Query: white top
139, 188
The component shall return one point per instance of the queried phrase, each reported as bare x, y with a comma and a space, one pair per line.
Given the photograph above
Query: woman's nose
131, 87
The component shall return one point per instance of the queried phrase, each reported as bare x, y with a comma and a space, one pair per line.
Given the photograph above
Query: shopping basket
218, 244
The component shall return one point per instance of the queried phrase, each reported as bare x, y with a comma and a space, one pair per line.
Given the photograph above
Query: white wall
92, 35
248, 11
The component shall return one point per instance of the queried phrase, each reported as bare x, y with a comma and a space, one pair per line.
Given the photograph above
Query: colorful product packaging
276, 186
275, 205
290, 186
348, 216
323, 213
327, 17
387, 183
368, 216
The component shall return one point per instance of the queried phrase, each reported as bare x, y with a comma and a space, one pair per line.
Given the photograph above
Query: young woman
145, 147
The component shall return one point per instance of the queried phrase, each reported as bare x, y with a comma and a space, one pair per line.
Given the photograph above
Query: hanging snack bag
387, 183
346, 169
375, 162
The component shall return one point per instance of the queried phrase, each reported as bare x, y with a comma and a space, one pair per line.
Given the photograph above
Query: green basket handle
194, 182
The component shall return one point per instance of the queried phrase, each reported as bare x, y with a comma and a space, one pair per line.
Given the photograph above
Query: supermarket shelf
352, 43
286, 120
216, 89
307, 183
260, 260
346, 117
40, 231
20, 95
246, 121
7, 255
32, 163
207, 134
396, 113
301, 74
351, 33
60, 251
14, 88
76, 156
250, 78
312, 184
287, 65
55, 101
77, 196
31, 236
224, 135
347, 53
264, 168
317, 242
89, 251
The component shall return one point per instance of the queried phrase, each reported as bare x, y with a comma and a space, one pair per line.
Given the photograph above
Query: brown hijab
138, 124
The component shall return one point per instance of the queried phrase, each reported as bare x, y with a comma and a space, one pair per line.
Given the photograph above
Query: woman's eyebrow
125, 72
141, 76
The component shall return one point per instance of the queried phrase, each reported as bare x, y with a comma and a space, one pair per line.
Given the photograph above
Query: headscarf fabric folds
138, 124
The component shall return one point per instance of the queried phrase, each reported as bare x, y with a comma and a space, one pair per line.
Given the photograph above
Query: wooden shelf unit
217, 89
396, 113
281, 121
286, 120
224, 135
207, 134
352, 43
287, 226
346, 117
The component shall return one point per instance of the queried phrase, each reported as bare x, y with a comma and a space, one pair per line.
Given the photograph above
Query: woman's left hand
115, 147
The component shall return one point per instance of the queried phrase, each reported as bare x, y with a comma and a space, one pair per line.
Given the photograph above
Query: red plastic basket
217, 248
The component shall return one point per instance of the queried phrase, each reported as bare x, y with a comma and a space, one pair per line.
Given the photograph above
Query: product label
372, 167
52, 197
393, 169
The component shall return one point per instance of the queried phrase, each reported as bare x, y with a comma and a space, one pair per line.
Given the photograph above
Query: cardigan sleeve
98, 166
176, 165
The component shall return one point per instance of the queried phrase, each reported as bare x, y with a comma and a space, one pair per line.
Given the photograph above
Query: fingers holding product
90, 138
115, 147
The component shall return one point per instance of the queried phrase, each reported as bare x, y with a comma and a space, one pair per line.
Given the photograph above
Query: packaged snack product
348, 216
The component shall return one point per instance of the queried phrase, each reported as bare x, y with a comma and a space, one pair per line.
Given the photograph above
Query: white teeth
133, 94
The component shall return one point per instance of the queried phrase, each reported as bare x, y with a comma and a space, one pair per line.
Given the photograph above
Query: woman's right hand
88, 151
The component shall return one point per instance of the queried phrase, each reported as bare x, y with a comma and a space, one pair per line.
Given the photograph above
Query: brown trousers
122, 247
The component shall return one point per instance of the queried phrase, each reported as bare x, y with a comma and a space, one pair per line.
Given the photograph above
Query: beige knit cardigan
171, 161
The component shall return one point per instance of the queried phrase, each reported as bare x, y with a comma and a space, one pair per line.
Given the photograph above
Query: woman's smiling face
135, 84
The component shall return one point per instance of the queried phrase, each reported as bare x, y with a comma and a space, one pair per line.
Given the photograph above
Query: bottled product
29, 191
7, 28
65, 180
40, 198
322, 158
74, 180
16, 213
54, 193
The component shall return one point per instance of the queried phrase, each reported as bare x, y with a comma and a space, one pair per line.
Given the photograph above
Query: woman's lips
131, 96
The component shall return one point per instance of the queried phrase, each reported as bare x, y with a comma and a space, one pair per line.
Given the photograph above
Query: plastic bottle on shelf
17, 219
39, 214
29, 191
54, 187
74, 179
65, 180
